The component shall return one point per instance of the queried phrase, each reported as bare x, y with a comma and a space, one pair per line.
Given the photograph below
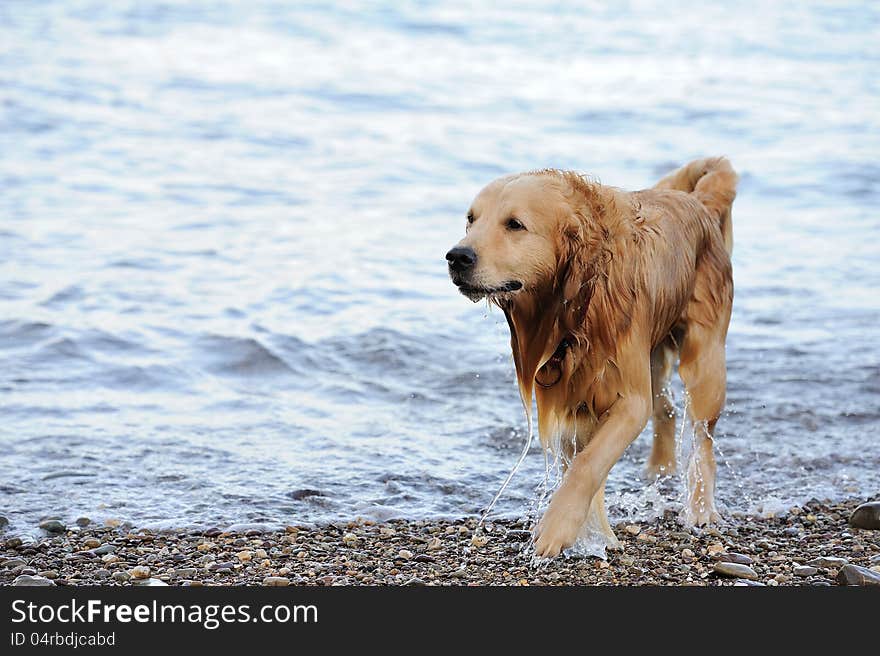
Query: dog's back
713, 182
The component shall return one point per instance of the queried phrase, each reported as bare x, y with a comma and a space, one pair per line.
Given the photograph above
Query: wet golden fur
628, 281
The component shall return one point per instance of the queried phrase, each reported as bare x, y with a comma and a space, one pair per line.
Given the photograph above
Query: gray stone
11, 563
53, 526
519, 533
141, 572
733, 557
855, 575
805, 570
735, 570
121, 577
82, 522
276, 581
104, 549
3, 522
747, 583
151, 582
866, 516
102, 574
36, 581
828, 562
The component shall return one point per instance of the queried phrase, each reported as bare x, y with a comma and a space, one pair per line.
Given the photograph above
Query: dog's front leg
561, 523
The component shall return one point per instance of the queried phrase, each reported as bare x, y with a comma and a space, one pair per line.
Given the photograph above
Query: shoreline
805, 545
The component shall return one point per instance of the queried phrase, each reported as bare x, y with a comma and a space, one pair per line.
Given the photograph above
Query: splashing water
648, 500
516, 466
733, 473
591, 541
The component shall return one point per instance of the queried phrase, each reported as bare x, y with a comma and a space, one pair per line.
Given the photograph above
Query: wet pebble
479, 541
53, 526
139, 572
827, 562
715, 549
35, 581
276, 581
855, 575
733, 557
735, 570
866, 516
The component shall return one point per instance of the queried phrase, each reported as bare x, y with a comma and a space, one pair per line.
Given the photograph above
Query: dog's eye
514, 224
470, 218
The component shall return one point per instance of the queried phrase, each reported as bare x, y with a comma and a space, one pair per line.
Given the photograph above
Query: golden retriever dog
603, 290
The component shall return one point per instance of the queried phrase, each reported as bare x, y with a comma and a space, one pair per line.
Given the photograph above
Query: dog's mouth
476, 292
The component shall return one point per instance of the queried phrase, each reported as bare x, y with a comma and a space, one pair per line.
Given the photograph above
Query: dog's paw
556, 532
701, 516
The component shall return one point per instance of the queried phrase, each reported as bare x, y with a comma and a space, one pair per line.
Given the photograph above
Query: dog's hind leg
662, 459
703, 371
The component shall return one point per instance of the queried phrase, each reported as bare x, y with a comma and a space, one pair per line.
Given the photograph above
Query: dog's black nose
461, 258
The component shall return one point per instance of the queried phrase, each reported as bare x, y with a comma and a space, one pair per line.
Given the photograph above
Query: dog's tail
713, 182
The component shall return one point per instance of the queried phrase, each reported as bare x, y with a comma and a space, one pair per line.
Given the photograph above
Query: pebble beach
817, 544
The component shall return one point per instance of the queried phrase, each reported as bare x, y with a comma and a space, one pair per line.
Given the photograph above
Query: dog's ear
580, 246
598, 295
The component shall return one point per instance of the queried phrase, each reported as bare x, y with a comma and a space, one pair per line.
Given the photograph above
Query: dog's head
510, 242
540, 246
521, 232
